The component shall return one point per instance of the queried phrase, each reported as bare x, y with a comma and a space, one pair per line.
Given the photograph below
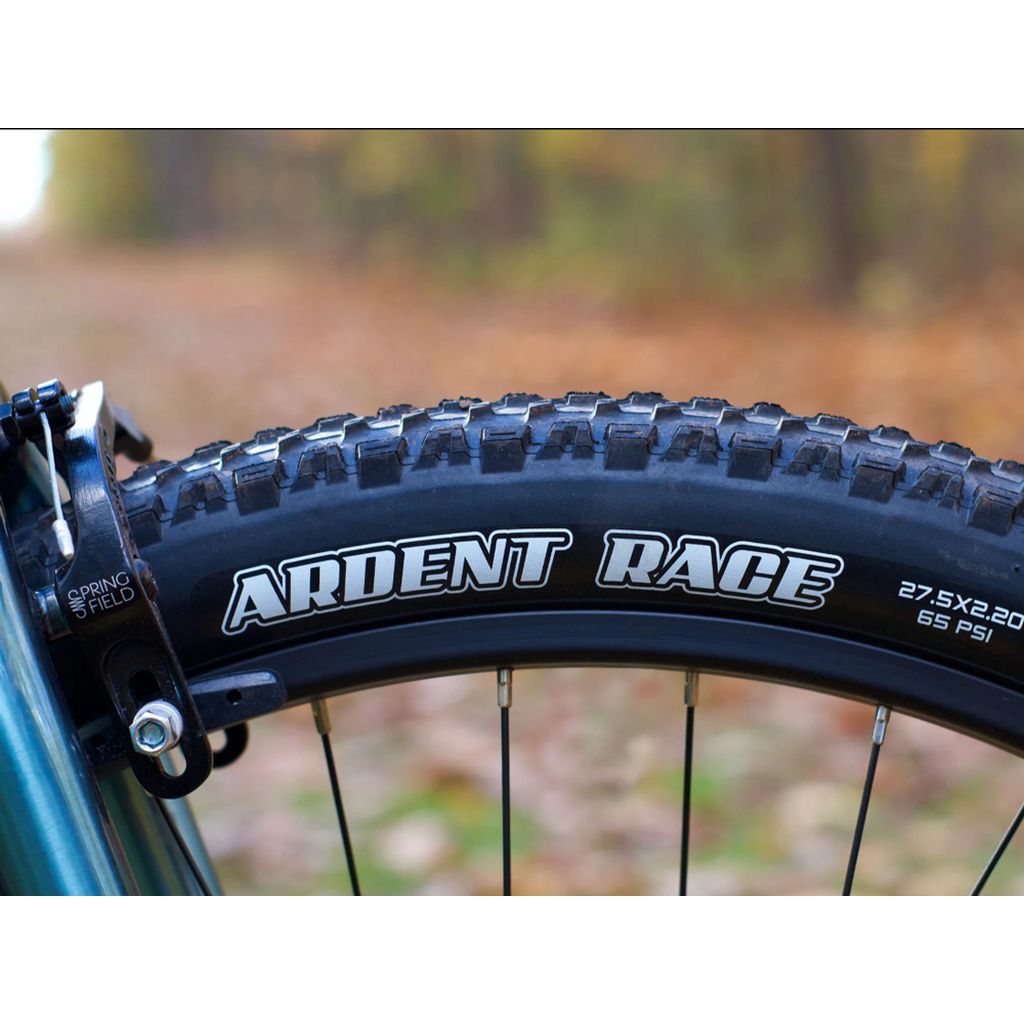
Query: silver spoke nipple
504, 687
691, 688
321, 716
881, 721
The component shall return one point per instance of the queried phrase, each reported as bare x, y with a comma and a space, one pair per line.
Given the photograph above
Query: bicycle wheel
586, 530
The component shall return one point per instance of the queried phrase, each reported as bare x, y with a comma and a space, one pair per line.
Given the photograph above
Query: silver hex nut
156, 728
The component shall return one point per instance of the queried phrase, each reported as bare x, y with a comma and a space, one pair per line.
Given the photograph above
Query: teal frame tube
151, 848
55, 834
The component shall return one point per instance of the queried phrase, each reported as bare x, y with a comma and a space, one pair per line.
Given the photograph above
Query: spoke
179, 839
877, 738
322, 718
998, 853
504, 703
691, 691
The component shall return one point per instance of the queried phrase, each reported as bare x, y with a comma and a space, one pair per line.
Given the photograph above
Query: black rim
829, 664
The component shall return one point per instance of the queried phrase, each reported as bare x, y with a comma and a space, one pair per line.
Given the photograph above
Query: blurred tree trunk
981, 223
183, 162
844, 194
510, 190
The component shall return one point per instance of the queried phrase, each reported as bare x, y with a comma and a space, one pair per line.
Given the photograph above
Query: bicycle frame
62, 831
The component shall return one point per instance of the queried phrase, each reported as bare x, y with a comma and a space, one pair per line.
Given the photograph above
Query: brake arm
107, 593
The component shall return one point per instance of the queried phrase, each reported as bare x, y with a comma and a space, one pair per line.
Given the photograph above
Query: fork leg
55, 835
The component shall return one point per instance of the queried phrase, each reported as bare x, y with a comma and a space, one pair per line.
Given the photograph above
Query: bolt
156, 728
54, 621
152, 735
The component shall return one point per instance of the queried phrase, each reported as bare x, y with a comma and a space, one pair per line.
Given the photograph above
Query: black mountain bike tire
915, 598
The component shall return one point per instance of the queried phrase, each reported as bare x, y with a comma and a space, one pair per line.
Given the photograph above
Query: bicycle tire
913, 597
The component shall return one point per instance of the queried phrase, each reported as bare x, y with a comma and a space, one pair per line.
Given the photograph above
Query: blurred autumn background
225, 281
